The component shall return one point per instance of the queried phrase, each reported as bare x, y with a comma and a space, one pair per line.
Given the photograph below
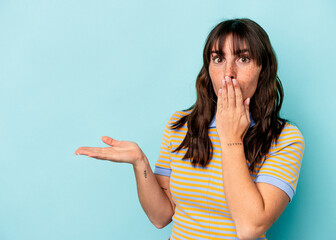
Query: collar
213, 122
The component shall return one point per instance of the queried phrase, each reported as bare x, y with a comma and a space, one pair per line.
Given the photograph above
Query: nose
230, 69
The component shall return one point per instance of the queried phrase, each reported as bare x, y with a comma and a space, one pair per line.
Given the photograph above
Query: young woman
228, 165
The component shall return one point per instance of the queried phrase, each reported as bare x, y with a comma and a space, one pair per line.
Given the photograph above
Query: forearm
242, 195
153, 200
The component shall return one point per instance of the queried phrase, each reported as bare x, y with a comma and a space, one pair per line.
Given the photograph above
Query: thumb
247, 107
110, 141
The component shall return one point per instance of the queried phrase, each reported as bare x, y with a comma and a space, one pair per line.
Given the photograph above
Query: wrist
140, 162
231, 142
232, 145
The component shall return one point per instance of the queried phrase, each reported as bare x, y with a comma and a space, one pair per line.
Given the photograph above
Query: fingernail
227, 78
223, 82
220, 91
234, 81
248, 101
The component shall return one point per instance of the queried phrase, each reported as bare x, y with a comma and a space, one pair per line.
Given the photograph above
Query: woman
229, 165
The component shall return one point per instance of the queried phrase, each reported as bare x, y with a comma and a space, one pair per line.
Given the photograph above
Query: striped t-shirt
201, 211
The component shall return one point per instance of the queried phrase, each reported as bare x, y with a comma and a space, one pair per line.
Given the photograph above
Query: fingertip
220, 92
234, 81
105, 138
77, 152
223, 82
247, 101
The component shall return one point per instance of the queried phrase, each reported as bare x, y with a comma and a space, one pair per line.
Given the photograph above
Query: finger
80, 151
247, 108
99, 153
107, 153
219, 99
230, 93
224, 100
110, 141
88, 151
238, 94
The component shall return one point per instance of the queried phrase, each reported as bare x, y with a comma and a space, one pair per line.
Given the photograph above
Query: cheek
249, 87
215, 79
250, 90
252, 77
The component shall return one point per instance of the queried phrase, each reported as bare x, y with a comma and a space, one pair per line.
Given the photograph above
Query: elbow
250, 232
160, 221
161, 224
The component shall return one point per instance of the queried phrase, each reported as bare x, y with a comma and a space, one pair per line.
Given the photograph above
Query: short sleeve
162, 167
281, 166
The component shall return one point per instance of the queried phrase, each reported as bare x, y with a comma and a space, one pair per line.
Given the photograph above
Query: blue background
72, 71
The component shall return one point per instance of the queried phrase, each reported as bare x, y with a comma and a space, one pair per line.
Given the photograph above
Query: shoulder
177, 116
291, 132
290, 136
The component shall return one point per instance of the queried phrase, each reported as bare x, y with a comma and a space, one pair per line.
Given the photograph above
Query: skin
242, 71
241, 68
254, 207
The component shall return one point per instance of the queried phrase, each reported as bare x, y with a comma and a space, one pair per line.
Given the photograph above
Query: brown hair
264, 106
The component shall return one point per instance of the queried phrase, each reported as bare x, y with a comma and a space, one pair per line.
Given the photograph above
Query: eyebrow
241, 51
238, 52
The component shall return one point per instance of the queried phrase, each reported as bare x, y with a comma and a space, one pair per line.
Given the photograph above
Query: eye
217, 59
244, 59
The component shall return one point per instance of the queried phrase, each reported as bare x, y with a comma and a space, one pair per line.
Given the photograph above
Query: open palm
119, 151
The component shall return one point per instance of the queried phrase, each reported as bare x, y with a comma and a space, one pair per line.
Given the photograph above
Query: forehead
230, 41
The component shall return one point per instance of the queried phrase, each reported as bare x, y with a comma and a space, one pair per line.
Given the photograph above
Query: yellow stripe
195, 196
167, 149
288, 140
164, 163
284, 154
284, 175
223, 217
195, 185
213, 217
177, 136
165, 157
182, 200
197, 180
161, 165
175, 141
180, 235
295, 150
208, 222
279, 163
195, 190
197, 174
202, 231
198, 170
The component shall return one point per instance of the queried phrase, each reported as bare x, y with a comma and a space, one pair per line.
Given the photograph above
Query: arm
254, 207
152, 192
153, 199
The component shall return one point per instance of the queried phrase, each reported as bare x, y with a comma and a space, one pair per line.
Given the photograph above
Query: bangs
242, 41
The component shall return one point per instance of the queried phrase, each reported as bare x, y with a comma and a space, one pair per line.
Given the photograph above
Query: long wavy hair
265, 104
